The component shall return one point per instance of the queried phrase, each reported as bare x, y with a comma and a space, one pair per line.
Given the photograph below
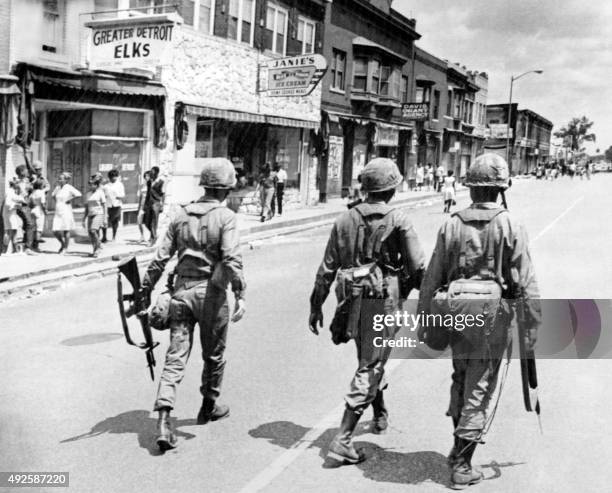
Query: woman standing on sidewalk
63, 219
39, 209
266, 193
449, 191
142, 197
95, 213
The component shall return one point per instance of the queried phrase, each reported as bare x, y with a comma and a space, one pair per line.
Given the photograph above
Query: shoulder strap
369, 242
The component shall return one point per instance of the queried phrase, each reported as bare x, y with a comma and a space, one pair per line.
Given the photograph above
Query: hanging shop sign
140, 44
499, 131
386, 136
415, 111
294, 76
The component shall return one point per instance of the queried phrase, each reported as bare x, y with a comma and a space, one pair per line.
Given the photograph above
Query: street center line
266, 476
556, 220
274, 469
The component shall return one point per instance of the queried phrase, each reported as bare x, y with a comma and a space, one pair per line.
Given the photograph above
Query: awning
365, 121
95, 82
366, 43
423, 80
246, 117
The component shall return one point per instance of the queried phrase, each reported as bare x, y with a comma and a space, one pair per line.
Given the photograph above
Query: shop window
276, 29
404, 89
117, 123
306, 34
436, 105
241, 20
360, 74
338, 68
204, 139
53, 26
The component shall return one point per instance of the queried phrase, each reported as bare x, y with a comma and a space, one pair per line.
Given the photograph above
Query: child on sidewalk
95, 213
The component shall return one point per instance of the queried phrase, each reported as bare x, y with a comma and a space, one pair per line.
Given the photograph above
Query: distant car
602, 166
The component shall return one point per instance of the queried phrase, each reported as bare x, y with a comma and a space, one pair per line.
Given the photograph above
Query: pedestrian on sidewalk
39, 208
487, 245
207, 264
429, 177
154, 203
449, 190
279, 184
380, 239
63, 218
142, 197
12, 202
420, 177
115, 193
24, 210
439, 178
572, 169
95, 213
265, 187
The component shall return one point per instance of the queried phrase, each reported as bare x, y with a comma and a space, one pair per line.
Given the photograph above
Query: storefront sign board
415, 111
294, 76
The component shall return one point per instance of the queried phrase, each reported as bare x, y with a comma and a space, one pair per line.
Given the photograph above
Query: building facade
369, 48
530, 136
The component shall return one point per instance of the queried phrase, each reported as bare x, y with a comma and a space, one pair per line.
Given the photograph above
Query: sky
570, 40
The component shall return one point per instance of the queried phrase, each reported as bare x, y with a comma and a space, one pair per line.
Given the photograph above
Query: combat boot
211, 411
342, 449
166, 439
452, 456
463, 474
381, 415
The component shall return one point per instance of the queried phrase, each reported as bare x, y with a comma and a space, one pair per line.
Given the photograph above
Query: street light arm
525, 73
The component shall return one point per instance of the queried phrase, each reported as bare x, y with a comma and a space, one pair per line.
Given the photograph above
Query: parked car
602, 166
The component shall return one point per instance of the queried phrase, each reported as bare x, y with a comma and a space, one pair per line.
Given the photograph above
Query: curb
35, 283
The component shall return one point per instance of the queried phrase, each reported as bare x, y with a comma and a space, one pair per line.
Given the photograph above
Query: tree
576, 133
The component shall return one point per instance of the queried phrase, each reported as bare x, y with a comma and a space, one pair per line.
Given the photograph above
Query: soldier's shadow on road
382, 465
138, 423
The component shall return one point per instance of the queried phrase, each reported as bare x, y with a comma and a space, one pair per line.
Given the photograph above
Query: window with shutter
53, 26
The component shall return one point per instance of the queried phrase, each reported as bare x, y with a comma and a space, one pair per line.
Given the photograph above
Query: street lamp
512, 79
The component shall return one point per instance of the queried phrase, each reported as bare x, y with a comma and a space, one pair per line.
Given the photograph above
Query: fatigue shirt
513, 265
212, 252
401, 248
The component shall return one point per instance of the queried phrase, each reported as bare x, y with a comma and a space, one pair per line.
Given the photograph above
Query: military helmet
218, 172
380, 174
488, 170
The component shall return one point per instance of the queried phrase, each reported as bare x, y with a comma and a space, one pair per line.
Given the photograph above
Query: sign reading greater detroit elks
138, 45
294, 76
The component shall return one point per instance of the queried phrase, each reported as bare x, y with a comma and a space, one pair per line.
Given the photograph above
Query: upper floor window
404, 90
276, 29
53, 26
338, 69
360, 74
423, 94
436, 105
449, 103
206, 16
147, 6
306, 34
372, 76
389, 82
241, 20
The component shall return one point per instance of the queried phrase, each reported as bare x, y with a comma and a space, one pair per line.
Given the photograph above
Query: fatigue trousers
475, 378
201, 302
370, 374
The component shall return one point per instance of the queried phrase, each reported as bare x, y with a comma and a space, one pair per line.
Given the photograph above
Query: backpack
477, 299
364, 281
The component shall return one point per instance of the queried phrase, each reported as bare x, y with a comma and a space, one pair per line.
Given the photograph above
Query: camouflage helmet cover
218, 172
488, 170
380, 174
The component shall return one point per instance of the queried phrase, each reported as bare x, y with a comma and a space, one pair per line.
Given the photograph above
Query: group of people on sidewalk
25, 208
271, 188
428, 179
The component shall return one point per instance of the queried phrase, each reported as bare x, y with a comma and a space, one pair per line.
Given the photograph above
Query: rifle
138, 304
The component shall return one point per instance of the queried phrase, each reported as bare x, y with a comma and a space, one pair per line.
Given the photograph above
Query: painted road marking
267, 475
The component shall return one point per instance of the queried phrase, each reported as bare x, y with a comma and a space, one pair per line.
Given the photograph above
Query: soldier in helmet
481, 243
376, 234
204, 233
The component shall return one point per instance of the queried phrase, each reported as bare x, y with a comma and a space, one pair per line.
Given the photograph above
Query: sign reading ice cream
139, 44
294, 76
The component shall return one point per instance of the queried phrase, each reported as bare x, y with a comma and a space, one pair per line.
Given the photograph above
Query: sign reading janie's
139, 44
415, 111
294, 76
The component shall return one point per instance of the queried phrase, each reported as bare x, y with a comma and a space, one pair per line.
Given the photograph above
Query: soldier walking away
204, 234
486, 245
379, 238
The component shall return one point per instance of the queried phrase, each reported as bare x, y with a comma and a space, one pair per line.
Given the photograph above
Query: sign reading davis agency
141, 44
415, 111
294, 76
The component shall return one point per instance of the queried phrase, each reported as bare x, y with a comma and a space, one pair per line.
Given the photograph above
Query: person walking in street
486, 245
39, 208
63, 217
588, 167
24, 211
279, 183
420, 177
154, 203
12, 202
115, 193
142, 197
95, 213
380, 239
449, 191
265, 187
439, 177
206, 265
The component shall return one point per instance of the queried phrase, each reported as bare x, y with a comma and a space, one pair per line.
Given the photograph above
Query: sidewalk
19, 272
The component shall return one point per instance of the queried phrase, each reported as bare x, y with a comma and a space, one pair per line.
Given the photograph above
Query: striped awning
243, 116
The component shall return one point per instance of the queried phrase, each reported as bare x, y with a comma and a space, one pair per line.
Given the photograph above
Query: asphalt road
76, 398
